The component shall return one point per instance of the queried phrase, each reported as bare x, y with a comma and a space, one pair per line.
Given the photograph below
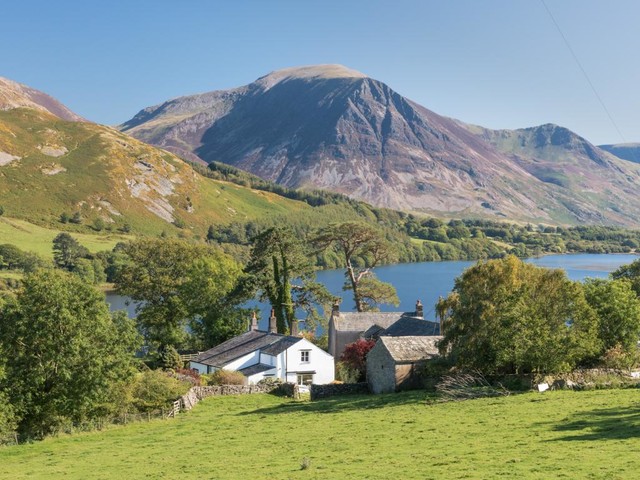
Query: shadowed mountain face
332, 128
16, 95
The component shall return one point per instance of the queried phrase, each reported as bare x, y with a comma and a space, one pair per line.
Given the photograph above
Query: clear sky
496, 63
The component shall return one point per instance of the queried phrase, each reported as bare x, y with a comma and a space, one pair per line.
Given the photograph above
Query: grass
34, 238
572, 435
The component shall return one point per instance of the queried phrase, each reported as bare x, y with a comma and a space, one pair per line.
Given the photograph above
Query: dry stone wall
195, 394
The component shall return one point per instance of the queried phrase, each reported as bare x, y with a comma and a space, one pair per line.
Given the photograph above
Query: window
305, 378
304, 356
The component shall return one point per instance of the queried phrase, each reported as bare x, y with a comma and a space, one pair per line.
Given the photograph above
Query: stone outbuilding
396, 363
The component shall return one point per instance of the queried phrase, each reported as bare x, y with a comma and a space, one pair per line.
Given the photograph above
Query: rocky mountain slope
50, 166
333, 128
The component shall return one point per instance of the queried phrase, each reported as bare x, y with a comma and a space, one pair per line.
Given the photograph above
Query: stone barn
396, 363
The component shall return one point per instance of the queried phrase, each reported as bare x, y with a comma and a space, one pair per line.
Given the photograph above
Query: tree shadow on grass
346, 403
601, 424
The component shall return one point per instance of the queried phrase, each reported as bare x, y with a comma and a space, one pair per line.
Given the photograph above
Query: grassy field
33, 238
572, 435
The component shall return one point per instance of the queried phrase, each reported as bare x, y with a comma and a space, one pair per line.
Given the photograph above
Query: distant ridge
16, 95
333, 128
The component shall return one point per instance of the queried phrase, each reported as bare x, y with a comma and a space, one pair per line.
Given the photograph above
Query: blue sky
496, 63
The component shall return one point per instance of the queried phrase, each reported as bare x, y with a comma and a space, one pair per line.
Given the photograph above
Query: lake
426, 281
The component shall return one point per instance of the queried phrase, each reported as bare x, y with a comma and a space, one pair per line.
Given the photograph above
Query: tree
508, 316
278, 257
362, 247
618, 309
630, 272
355, 355
67, 251
76, 218
66, 352
174, 281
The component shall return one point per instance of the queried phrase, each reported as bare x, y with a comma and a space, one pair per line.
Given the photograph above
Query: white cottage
258, 354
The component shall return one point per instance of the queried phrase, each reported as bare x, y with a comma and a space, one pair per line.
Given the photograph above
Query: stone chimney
273, 324
294, 328
254, 321
335, 310
419, 309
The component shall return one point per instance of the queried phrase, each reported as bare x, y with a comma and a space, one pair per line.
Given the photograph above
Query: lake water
426, 281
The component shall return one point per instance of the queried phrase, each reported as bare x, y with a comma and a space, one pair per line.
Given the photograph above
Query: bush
155, 389
226, 377
346, 373
170, 358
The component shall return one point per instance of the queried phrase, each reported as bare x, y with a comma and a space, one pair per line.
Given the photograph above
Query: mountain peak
309, 72
16, 95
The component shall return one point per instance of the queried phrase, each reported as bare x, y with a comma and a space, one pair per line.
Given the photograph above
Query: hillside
626, 151
529, 436
50, 166
332, 128
16, 95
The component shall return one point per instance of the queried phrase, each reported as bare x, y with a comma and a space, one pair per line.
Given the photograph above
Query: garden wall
195, 394
335, 389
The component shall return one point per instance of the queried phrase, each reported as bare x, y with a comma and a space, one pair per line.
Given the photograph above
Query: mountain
15, 95
333, 128
626, 151
52, 164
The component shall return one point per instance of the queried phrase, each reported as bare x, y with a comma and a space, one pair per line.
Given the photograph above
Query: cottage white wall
245, 361
319, 361
267, 359
253, 379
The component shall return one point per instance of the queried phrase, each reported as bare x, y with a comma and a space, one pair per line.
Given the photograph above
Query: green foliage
99, 224
618, 310
76, 218
13, 258
346, 373
67, 251
170, 358
154, 390
507, 316
631, 273
176, 282
278, 259
66, 352
226, 377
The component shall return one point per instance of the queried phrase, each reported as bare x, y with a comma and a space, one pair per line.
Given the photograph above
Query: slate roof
412, 326
240, 346
281, 345
257, 368
361, 321
411, 348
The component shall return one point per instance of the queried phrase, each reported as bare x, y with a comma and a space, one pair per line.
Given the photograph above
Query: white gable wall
319, 362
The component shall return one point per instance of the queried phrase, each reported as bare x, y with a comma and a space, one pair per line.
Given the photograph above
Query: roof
257, 368
412, 326
281, 345
240, 346
361, 321
411, 348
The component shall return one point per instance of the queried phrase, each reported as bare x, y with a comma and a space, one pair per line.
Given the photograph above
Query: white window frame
301, 378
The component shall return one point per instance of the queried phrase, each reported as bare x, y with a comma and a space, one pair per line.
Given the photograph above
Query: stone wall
195, 394
334, 389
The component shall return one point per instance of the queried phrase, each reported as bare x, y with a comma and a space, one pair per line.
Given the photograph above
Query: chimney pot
335, 310
254, 321
294, 328
419, 309
273, 325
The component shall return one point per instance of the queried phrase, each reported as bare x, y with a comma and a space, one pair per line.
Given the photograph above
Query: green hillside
529, 436
50, 166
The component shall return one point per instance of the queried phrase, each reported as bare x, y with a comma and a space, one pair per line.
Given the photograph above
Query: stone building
396, 363
347, 327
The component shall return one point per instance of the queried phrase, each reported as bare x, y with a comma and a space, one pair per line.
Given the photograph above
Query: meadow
593, 434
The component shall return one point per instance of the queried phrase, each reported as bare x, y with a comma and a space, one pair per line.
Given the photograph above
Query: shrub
345, 373
170, 358
355, 356
226, 377
155, 389
188, 375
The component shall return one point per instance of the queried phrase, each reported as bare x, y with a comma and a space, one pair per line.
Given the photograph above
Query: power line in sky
584, 72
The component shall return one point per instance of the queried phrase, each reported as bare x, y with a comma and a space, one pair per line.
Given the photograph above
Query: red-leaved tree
355, 355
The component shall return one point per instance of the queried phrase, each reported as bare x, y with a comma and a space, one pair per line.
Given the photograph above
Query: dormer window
304, 356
